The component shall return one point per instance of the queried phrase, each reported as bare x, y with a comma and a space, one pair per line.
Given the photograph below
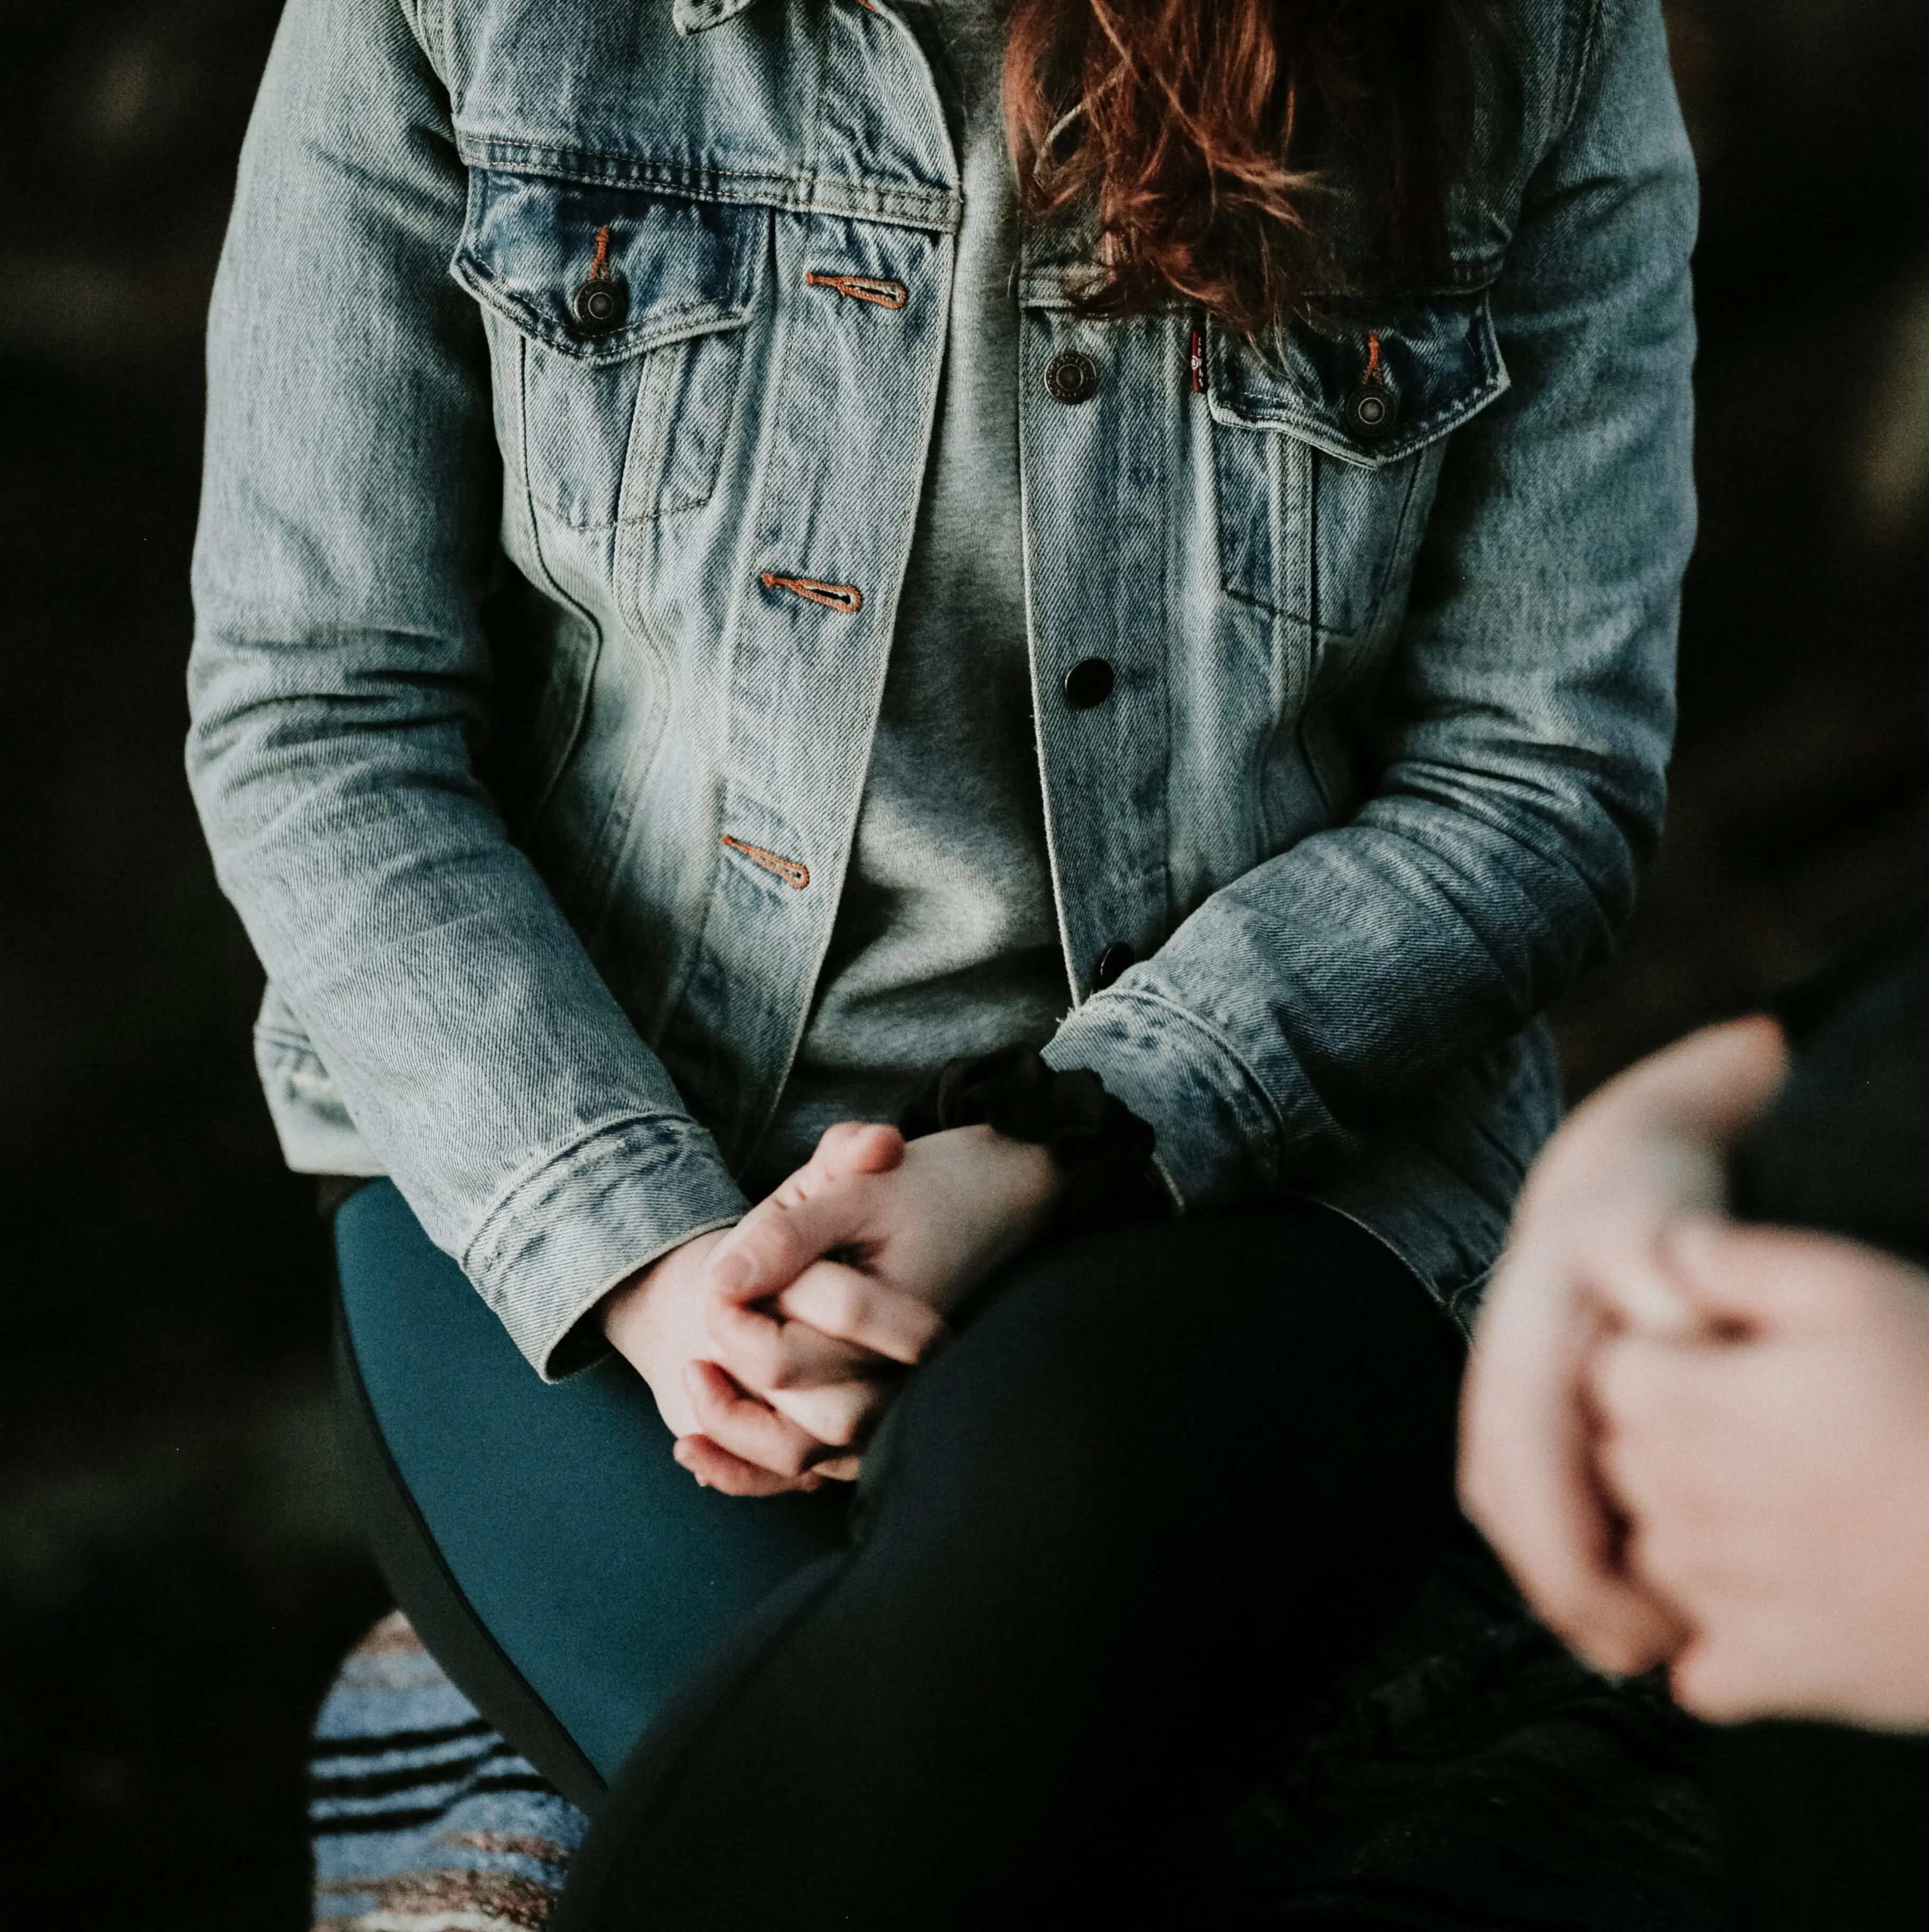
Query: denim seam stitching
1210, 1032
1413, 439
807, 194
1593, 34
414, 14
661, 327
539, 802
560, 1166
293, 1046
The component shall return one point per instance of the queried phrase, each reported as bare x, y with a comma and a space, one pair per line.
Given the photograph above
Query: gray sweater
946, 941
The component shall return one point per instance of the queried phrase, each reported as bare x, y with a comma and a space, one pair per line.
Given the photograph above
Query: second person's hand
1582, 1261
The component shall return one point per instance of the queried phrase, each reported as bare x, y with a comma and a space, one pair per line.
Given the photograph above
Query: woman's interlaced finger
858, 1308
716, 1469
839, 1417
747, 1425
766, 1353
832, 1389
779, 1238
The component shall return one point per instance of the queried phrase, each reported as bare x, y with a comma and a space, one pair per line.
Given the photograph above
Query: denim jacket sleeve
340, 687
1522, 729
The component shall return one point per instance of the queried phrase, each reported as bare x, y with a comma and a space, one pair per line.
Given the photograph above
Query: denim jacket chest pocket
1328, 445
616, 318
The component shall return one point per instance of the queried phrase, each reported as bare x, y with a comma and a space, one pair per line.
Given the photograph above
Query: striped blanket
1467, 1773
422, 1818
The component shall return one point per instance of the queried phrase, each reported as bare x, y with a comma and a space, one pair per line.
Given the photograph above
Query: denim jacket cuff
566, 1234
1221, 1137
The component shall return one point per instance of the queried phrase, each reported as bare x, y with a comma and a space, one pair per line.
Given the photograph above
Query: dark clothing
1823, 1821
1169, 1481
1845, 1146
1824, 1827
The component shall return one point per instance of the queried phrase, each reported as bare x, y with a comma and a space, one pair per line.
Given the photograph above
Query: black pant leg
1828, 1828
1167, 1478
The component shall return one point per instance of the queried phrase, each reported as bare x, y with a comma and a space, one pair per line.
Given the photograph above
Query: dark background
177, 1572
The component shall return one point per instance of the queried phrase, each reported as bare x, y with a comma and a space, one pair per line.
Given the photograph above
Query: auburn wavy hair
1213, 139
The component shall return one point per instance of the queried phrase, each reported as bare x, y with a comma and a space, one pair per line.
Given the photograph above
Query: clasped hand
1701, 1444
773, 1348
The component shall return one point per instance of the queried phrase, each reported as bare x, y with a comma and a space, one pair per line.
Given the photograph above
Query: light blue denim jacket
536, 668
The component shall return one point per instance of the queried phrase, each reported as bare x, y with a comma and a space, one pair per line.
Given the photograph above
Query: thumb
856, 1147
1713, 1082
844, 1148
779, 1238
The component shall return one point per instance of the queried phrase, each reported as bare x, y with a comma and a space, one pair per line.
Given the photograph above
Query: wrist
625, 1313
1029, 1176
1098, 1150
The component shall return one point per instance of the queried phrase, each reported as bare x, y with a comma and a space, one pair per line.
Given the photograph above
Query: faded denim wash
536, 669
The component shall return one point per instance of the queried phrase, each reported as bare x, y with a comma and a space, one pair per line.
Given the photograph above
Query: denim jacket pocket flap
601, 275
1370, 390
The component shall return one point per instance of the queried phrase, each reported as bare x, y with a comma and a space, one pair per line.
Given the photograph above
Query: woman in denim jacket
755, 549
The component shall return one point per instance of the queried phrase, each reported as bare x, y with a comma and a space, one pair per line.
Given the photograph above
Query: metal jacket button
601, 304
1112, 961
1072, 377
1087, 683
1371, 412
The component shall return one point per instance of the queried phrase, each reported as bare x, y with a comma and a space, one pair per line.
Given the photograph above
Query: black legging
1167, 1480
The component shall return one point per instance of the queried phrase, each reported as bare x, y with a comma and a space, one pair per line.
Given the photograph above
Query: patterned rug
422, 1818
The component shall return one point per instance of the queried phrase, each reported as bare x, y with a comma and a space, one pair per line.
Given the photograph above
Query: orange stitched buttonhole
789, 870
844, 597
873, 288
1373, 369
599, 268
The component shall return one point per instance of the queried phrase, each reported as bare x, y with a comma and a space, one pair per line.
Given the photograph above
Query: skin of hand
837, 1374
1775, 1463
1647, 1149
927, 1221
